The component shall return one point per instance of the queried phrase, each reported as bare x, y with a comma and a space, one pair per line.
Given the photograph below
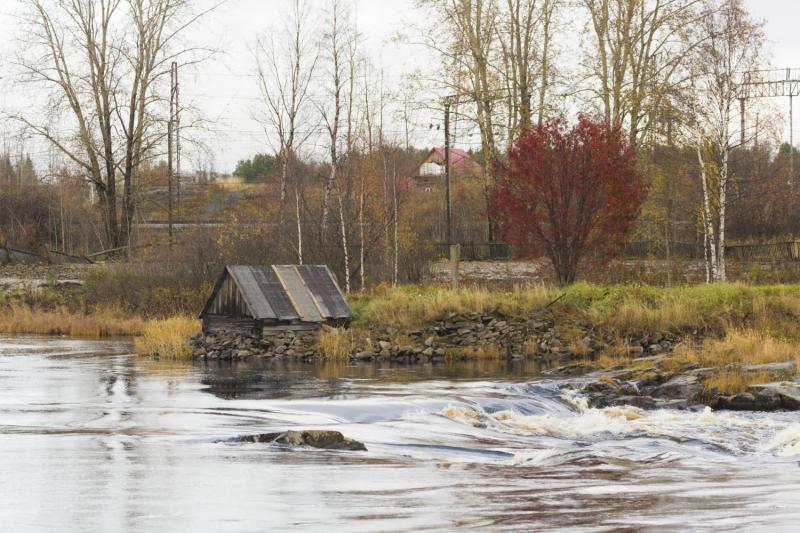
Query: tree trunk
299, 226
343, 228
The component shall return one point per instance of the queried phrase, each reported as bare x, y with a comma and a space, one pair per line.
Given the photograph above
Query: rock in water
315, 438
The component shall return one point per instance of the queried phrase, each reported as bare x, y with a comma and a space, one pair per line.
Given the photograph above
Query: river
94, 439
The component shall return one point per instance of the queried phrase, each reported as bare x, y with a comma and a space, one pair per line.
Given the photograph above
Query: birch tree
525, 30
102, 62
733, 46
466, 40
636, 54
335, 49
285, 66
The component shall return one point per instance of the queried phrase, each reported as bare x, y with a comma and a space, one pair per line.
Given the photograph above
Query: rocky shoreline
643, 381
453, 337
651, 387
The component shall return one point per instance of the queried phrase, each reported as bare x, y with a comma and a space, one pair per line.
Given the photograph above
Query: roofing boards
298, 291
321, 284
286, 292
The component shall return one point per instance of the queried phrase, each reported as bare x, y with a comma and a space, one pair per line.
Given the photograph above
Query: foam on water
721, 430
786, 443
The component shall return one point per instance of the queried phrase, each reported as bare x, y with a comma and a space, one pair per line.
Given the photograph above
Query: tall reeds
17, 319
167, 338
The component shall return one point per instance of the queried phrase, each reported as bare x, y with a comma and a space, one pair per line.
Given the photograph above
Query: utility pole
175, 117
742, 123
169, 179
765, 84
448, 213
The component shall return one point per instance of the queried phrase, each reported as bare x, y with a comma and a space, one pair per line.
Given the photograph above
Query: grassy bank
724, 327
625, 310
738, 324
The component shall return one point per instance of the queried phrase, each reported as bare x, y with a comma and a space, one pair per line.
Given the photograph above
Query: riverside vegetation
707, 343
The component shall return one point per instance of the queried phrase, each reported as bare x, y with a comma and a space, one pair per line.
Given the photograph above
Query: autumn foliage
568, 193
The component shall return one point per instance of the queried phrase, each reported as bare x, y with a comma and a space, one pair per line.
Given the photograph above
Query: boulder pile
514, 337
650, 386
228, 346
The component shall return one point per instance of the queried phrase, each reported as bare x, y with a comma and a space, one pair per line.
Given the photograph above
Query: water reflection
272, 379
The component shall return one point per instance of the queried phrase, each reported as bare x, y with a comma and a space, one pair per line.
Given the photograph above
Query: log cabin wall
214, 324
229, 302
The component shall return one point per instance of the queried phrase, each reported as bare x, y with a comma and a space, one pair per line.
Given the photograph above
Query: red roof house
431, 169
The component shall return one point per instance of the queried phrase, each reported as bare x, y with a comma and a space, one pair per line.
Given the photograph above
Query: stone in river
315, 438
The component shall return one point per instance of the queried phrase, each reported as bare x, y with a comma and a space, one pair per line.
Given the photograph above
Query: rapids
94, 439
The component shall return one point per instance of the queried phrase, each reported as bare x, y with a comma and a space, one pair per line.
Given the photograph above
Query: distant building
431, 172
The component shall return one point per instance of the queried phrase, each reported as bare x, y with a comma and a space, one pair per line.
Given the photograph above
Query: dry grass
531, 346
618, 354
627, 310
20, 319
635, 317
336, 343
167, 338
410, 307
738, 347
716, 309
609, 380
734, 382
579, 348
730, 353
480, 351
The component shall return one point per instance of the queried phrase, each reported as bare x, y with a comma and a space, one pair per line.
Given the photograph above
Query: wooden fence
13, 255
477, 251
778, 251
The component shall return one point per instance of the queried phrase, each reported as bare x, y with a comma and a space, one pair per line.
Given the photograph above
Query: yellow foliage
102, 322
167, 338
336, 343
739, 347
734, 382
409, 307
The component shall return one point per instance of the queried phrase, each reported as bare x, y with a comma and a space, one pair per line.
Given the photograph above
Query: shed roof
308, 293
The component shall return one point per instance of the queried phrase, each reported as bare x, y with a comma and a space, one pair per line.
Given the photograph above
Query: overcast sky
225, 91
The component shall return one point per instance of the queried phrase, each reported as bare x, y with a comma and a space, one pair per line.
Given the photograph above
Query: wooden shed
264, 300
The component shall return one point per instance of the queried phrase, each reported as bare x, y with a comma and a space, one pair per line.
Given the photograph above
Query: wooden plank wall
213, 324
229, 301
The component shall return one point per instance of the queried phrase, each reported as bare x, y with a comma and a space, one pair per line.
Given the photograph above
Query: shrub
336, 343
167, 338
154, 289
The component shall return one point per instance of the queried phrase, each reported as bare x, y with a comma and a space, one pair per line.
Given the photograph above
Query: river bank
713, 345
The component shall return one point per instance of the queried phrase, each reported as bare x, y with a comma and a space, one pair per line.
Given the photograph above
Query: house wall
431, 171
213, 324
228, 301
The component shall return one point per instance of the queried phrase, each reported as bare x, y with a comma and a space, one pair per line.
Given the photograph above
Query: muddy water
92, 439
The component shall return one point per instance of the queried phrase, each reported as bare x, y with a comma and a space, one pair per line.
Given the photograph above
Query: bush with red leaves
569, 193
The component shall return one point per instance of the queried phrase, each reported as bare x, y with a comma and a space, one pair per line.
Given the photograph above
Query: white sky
225, 92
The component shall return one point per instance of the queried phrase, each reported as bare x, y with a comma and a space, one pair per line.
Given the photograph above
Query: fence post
455, 257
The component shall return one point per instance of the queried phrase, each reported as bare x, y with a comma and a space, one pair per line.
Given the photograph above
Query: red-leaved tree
569, 193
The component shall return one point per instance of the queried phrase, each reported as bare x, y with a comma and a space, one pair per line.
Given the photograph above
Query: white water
93, 440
